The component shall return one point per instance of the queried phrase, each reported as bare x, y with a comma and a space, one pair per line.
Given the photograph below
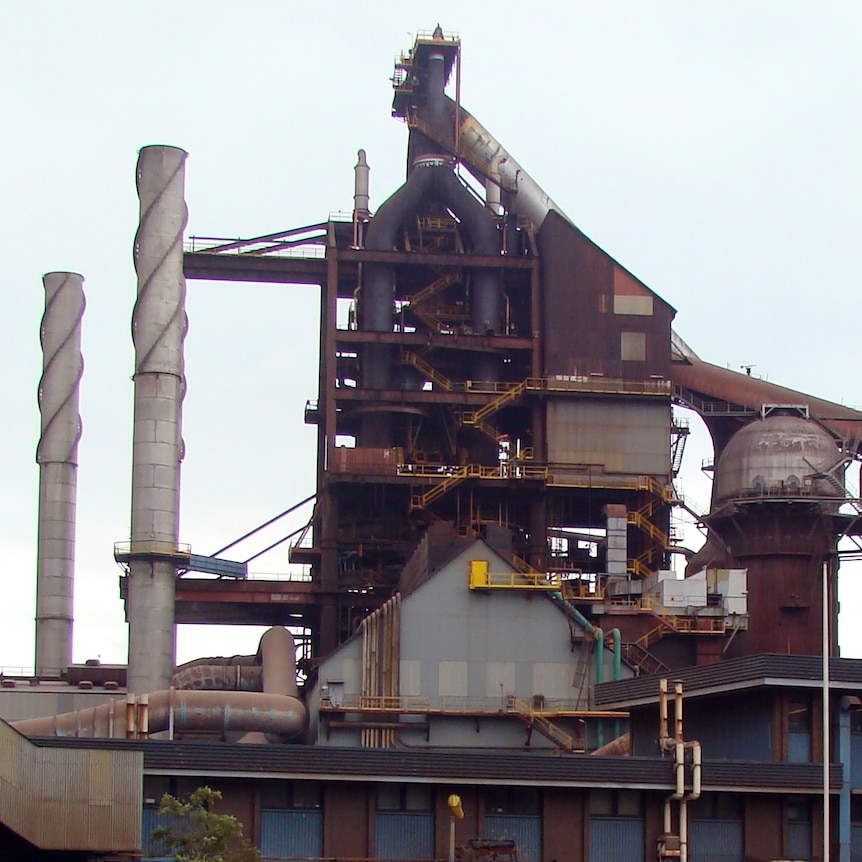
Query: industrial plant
495, 645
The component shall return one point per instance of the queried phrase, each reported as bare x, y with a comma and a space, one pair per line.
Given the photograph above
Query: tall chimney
57, 456
159, 326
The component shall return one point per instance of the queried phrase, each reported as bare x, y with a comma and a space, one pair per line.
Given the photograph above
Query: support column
159, 326
57, 456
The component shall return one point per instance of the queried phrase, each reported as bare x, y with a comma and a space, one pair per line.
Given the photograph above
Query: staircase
421, 501
429, 371
477, 418
536, 721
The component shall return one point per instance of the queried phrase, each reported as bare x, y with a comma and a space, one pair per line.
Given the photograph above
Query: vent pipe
159, 326
57, 456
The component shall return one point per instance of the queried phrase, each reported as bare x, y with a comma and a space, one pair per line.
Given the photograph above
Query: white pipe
662, 706
677, 692
696, 769
158, 330
825, 710
57, 456
683, 831
489, 157
679, 770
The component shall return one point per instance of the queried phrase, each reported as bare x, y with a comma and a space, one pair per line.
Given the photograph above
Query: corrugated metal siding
291, 833
616, 839
716, 841
856, 760
403, 835
150, 820
855, 843
799, 840
83, 797
525, 831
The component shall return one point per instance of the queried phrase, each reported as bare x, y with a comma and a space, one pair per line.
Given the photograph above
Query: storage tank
776, 501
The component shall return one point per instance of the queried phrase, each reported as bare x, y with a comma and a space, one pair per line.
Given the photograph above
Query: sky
712, 148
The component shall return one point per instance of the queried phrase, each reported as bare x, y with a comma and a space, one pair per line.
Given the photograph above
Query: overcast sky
712, 148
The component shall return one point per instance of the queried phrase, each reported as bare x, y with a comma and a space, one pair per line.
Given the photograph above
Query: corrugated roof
465, 767
755, 671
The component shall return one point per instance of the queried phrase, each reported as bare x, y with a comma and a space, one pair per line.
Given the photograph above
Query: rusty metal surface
721, 384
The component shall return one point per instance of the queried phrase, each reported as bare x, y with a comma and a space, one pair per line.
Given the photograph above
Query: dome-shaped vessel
779, 456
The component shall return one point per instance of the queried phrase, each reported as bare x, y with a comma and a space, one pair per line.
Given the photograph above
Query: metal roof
757, 671
215, 759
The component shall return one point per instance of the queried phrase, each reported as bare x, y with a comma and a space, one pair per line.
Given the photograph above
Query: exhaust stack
159, 327
57, 456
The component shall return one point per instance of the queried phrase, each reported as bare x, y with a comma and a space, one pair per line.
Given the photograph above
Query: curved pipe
218, 677
273, 714
734, 387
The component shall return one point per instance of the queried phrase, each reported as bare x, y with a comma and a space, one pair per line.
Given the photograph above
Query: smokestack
159, 327
57, 456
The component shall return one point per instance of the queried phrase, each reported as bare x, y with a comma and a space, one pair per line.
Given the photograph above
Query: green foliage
194, 833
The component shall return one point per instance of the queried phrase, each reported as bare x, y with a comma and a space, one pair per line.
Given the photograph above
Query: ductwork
432, 181
275, 714
185, 711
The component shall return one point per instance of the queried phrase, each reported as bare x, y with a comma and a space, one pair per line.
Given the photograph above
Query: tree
195, 833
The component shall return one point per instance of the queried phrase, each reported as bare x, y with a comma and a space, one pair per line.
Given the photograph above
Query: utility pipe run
159, 327
57, 456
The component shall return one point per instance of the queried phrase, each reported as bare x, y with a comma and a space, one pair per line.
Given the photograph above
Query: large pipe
159, 326
224, 711
57, 456
433, 180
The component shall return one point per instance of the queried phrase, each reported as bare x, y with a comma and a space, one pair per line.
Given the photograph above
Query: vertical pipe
683, 831
844, 755
825, 710
57, 457
159, 326
662, 707
677, 702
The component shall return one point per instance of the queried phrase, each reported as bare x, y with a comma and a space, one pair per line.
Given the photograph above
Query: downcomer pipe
159, 326
57, 456
432, 180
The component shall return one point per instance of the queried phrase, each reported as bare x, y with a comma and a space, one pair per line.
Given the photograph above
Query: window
290, 795
633, 346
511, 800
404, 797
616, 803
799, 731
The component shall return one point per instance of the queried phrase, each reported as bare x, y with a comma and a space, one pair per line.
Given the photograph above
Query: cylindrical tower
57, 456
776, 501
159, 326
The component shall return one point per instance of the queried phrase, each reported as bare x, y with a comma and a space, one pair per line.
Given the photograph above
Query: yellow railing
482, 579
418, 362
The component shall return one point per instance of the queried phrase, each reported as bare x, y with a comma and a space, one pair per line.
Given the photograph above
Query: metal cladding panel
83, 798
589, 300
150, 820
525, 831
717, 841
856, 760
291, 833
617, 436
620, 839
402, 835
